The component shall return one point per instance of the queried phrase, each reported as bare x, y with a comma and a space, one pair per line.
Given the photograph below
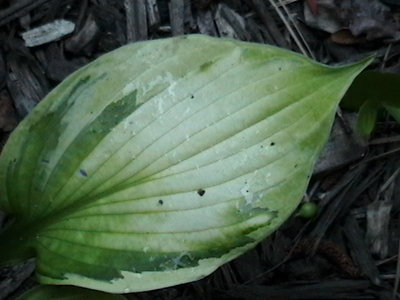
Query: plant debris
350, 249
47, 33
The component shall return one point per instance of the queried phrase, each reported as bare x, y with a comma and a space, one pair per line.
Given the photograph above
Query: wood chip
378, 217
153, 15
236, 21
342, 147
83, 7
47, 33
341, 202
254, 31
224, 28
205, 23
23, 103
56, 65
112, 25
19, 9
262, 11
136, 20
189, 21
359, 250
8, 118
84, 39
177, 13
15, 276
229, 276
26, 83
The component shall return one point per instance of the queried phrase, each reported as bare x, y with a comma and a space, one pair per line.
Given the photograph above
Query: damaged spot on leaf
204, 67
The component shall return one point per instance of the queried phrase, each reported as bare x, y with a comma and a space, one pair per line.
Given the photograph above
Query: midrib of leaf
76, 190
142, 151
223, 139
150, 177
81, 203
116, 150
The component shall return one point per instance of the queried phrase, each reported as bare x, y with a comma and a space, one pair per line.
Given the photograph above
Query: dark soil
350, 249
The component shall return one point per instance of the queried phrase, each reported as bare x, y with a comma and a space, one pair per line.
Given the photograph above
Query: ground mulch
350, 250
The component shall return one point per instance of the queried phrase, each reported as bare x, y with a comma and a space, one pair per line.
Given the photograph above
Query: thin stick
385, 140
397, 280
380, 156
387, 260
294, 22
385, 58
286, 2
19, 9
389, 181
296, 242
289, 28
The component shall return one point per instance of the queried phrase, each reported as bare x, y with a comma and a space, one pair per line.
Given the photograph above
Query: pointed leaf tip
163, 160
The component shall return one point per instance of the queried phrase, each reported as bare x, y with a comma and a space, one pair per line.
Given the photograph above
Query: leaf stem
14, 246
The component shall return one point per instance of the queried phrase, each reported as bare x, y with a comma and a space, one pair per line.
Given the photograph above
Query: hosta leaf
367, 117
48, 292
162, 160
369, 94
394, 112
382, 88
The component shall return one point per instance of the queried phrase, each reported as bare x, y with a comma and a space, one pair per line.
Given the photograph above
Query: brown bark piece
8, 118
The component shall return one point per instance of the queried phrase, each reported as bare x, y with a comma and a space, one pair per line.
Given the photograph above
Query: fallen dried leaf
369, 19
345, 37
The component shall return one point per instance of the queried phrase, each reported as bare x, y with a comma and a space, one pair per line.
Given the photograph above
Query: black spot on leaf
201, 192
160, 202
272, 144
83, 173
